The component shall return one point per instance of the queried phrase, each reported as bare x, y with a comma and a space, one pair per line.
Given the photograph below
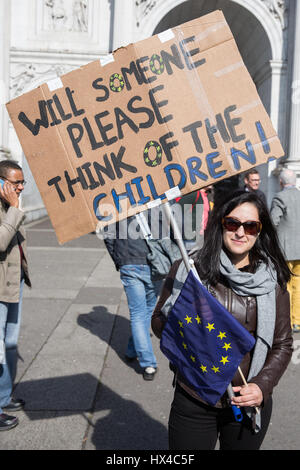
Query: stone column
124, 16
4, 75
293, 157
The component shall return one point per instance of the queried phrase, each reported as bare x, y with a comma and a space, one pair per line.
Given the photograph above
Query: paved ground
79, 391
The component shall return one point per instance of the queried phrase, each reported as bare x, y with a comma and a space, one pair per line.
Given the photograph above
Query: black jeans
195, 426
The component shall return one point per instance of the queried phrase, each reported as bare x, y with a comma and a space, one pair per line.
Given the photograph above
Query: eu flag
204, 341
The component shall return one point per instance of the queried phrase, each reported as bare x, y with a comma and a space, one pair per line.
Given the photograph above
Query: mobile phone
1, 183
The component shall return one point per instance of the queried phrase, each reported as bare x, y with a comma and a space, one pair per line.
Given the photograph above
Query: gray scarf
261, 284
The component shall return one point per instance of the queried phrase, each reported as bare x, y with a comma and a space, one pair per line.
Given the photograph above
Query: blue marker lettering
211, 165
236, 154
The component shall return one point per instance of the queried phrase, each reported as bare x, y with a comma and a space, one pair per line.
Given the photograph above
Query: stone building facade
43, 39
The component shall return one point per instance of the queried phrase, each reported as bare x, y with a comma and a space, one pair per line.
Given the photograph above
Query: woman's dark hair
266, 248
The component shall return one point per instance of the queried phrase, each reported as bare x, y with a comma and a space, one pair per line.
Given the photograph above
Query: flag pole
189, 264
246, 383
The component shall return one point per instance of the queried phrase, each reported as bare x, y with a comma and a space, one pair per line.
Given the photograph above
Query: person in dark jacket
128, 249
252, 183
242, 265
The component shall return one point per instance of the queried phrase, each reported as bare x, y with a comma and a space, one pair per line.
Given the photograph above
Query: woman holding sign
242, 266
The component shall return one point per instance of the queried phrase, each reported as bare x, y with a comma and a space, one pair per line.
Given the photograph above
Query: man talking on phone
13, 275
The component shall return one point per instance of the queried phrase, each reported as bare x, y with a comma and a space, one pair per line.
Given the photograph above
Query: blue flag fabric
204, 341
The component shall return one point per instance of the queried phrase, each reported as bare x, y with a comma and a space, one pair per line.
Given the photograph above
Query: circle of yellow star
193, 358
180, 324
210, 326
203, 368
215, 369
222, 334
224, 359
188, 319
184, 345
198, 319
227, 346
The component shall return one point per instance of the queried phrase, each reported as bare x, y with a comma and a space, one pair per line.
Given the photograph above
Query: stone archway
259, 34
246, 28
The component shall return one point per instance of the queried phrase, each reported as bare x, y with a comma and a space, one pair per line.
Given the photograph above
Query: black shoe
15, 404
8, 422
149, 373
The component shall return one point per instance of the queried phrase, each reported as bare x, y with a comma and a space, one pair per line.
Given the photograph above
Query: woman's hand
9, 195
250, 395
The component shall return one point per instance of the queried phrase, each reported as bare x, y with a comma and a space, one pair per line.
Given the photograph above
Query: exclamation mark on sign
262, 137
264, 140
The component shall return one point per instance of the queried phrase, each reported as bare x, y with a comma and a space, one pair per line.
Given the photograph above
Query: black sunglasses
251, 227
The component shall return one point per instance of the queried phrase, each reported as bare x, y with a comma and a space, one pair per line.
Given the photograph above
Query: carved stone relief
278, 8
67, 25
66, 15
26, 76
143, 8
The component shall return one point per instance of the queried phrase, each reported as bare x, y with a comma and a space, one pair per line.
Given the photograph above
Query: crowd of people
246, 254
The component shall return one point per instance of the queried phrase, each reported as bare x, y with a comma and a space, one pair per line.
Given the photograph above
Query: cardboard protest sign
109, 139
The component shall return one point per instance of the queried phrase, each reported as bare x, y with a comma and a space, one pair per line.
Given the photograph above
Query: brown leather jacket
244, 310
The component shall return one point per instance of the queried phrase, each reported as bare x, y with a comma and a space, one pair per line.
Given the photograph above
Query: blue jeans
10, 320
141, 293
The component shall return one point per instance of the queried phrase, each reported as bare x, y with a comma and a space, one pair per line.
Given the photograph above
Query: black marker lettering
174, 59
121, 119
142, 109
132, 70
167, 146
211, 130
55, 119
60, 109
107, 170
94, 144
117, 162
192, 128
55, 181
71, 182
232, 123
76, 112
75, 139
156, 105
96, 85
105, 128
142, 70
93, 183
187, 54
42, 121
